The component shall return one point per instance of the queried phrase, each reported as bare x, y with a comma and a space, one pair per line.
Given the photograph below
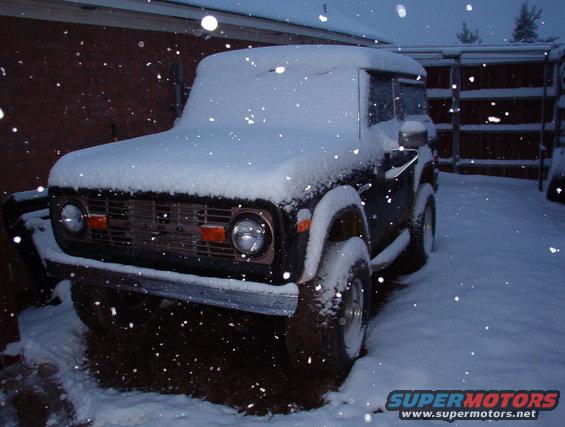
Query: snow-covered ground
487, 312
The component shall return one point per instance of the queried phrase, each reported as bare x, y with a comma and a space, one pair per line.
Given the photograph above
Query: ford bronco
294, 173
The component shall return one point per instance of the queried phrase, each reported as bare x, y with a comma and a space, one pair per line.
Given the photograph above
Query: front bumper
227, 293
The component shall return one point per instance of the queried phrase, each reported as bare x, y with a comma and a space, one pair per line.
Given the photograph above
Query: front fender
426, 160
333, 204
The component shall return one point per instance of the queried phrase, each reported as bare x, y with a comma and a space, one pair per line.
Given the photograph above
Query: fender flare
425, 161
333, 204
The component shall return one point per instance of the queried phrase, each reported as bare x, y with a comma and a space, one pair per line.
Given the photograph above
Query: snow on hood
235, 164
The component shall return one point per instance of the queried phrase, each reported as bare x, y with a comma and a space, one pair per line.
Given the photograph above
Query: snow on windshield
283, 97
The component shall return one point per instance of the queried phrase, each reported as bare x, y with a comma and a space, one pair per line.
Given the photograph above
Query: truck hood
245, 164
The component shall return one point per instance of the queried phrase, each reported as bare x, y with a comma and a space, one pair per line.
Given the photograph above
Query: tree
526, 26
466, 36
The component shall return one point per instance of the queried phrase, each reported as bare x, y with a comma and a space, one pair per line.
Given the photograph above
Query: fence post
542, 130
455, 110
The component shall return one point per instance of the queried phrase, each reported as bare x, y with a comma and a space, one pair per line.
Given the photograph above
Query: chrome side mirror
413, 134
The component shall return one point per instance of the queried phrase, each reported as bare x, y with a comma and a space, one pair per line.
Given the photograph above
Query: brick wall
8, 320
63, 85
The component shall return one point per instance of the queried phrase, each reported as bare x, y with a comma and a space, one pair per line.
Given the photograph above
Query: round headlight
72, 218
249, 236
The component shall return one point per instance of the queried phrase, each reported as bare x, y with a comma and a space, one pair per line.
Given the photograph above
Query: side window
414, 99
381, 99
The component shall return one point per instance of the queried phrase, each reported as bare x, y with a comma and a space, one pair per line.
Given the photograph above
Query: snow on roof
323, 57
295, 12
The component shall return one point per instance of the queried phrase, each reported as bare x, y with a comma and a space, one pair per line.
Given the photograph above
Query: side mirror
413, 134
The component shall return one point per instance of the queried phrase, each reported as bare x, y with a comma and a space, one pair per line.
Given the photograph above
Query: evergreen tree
466, 36
526, 26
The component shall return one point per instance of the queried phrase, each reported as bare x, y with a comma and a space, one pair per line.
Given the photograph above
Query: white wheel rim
428, 231
352, 319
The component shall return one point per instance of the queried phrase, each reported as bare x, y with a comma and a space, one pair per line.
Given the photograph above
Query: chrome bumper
227, 293
265, 302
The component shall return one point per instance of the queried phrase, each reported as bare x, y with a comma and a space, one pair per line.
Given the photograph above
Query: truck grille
162, 227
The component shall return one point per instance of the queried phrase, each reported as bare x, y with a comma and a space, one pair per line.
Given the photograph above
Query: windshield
280, 99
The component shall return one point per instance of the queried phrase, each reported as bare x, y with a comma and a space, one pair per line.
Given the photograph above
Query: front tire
422, 228
326, 333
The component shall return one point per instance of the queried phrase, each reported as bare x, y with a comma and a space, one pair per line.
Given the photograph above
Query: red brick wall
62, 85
8, 320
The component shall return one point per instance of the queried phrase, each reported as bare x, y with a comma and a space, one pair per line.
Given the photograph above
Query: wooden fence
488, 103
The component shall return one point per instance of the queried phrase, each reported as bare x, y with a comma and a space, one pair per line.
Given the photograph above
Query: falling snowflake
17, 239
323, 18
401, 10
469, 7
209, 23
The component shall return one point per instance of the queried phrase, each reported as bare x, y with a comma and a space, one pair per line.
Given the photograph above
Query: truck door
398, 178
379, 125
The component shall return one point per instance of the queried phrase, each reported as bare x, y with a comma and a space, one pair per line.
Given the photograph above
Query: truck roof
322, 57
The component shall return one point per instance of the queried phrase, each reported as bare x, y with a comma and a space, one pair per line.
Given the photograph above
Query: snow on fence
488, 102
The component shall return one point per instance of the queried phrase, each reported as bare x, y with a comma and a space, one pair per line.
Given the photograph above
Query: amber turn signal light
212, 233
303, 225
97, 222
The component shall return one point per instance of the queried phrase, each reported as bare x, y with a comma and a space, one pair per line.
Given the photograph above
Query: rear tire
110, 310
326, 333
422, 228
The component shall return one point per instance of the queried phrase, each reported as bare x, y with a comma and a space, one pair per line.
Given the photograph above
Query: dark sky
420, 22
437, 21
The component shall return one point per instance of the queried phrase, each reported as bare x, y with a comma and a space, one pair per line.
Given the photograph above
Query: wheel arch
425, 172
338, 216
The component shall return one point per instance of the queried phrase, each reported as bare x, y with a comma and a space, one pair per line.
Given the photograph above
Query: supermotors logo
452, 405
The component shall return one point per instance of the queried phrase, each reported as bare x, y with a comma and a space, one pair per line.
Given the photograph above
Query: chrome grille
163, 227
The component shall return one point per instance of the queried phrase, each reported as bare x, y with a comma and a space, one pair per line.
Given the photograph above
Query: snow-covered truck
294, 173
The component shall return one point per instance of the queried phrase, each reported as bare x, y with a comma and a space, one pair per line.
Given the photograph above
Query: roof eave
178, 10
